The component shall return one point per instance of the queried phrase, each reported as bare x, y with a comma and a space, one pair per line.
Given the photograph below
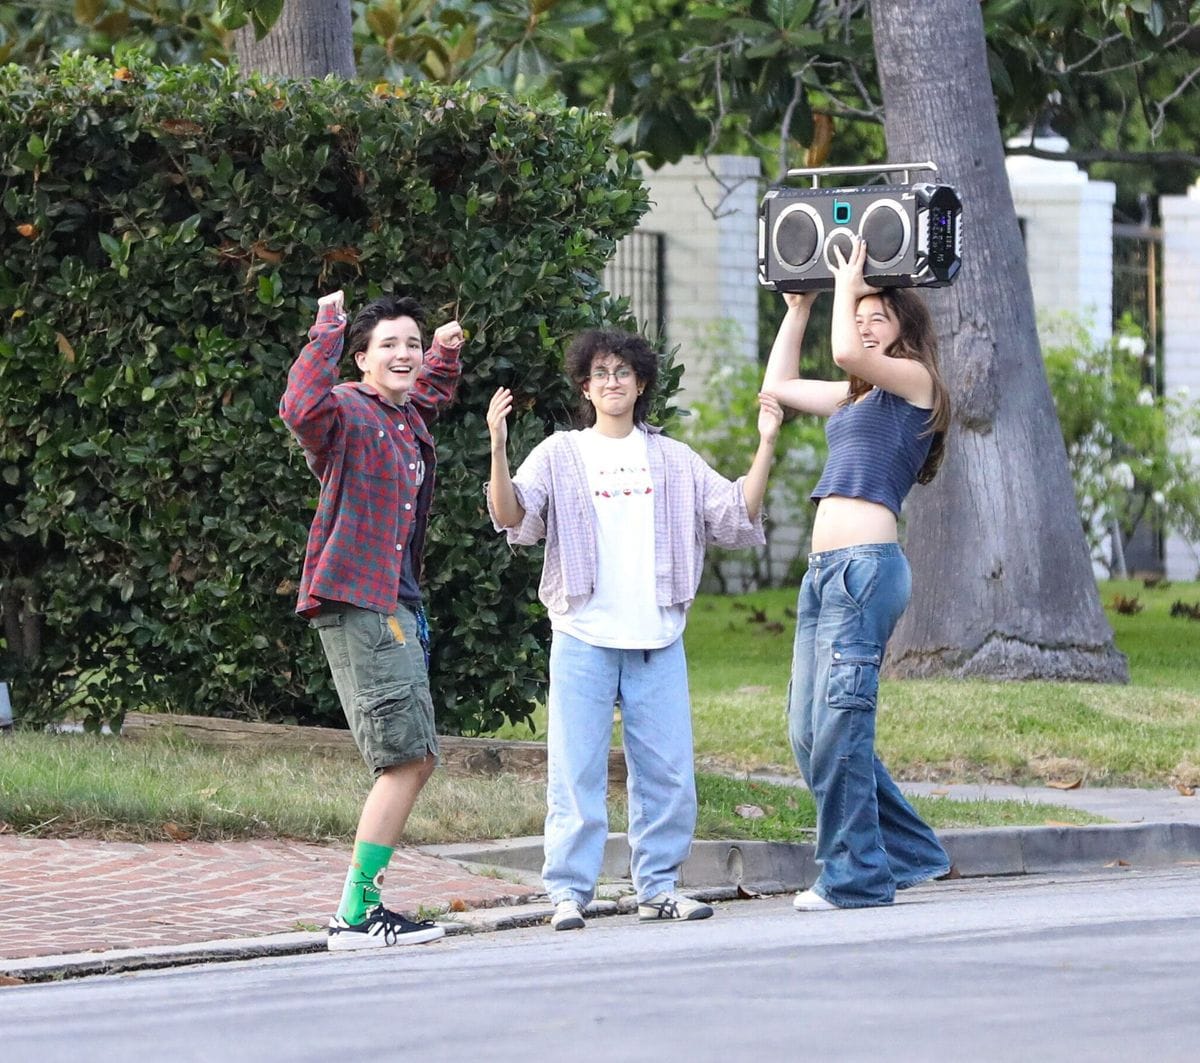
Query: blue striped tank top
875, 450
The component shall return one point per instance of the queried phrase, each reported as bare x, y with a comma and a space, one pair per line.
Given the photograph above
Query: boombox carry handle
817, 172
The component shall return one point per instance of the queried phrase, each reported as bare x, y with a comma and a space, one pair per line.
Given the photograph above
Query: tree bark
1002, 581
312, 38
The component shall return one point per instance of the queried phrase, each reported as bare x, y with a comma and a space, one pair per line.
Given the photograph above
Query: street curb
974, 852
715, 870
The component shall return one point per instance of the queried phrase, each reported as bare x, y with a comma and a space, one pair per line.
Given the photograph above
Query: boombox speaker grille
912, 232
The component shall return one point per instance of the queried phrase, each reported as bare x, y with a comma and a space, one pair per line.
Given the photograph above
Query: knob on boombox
913, 235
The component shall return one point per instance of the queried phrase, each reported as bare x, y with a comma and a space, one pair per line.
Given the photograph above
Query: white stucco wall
1068, 235
708, 211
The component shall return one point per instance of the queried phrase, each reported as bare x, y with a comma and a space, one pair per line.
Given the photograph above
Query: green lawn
165, 787
1144, 734
739, 651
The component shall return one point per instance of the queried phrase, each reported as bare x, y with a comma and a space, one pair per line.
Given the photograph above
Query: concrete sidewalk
75, 907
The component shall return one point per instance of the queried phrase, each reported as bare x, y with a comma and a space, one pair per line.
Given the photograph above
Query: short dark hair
385, 308
629, 347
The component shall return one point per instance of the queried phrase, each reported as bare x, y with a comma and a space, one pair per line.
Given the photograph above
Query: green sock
363, 880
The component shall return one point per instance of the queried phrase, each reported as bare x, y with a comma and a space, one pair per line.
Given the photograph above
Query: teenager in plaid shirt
368, 443
626, 514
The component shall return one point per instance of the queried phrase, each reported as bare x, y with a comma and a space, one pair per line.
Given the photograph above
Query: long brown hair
917, 340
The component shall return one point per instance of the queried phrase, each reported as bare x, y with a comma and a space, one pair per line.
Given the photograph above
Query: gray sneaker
568, 915
673, 906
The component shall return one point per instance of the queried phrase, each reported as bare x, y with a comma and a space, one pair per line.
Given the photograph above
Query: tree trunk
312, 38
1002, 581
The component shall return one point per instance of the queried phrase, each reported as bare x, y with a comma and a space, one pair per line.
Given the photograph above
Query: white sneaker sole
813, 902
349, 941
653, 915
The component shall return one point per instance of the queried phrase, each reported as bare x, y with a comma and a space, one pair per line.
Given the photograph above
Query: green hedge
164, 234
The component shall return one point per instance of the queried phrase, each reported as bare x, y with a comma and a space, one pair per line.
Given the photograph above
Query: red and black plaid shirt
368, 455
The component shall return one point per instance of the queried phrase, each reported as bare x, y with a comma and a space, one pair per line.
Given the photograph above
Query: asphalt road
1091, 967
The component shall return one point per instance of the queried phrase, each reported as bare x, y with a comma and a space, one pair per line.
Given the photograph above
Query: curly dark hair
385, 308
627, 346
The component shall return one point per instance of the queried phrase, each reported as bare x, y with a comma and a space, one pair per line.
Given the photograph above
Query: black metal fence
637, 271
1137, 288
1137, 291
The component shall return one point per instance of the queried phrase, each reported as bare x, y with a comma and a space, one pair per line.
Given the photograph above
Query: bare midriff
851, 522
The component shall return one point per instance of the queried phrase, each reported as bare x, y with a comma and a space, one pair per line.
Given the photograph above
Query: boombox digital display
913, 232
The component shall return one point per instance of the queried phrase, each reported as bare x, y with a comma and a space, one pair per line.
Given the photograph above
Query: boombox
913, 232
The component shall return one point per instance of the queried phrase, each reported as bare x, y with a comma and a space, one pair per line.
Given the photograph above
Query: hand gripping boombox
913, 232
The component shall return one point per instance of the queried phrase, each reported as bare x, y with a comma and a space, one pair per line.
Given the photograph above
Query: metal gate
637, 271
1137, 291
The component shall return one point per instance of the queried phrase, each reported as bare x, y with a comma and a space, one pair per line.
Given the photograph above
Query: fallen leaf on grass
753, 690
749, 811
1117, 863
1185, 790
208, 791
175, 832
1060, 784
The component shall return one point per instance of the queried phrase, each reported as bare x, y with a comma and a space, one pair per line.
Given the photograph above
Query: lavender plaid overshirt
366, 452
693, 506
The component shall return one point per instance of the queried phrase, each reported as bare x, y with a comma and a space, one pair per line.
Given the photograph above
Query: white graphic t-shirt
622, 612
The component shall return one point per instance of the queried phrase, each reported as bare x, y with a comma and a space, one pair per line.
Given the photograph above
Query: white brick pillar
1068, 234
708, 211
1181, 332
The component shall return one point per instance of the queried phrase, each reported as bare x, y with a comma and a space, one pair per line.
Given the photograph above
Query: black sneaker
380, 929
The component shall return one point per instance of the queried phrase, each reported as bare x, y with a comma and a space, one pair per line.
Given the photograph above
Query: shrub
1134, 454
164, 234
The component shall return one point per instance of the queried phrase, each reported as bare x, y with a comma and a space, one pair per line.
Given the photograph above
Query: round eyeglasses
621, 374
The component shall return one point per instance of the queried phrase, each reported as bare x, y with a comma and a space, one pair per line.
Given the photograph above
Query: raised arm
309, 407
507, 509
438, 382
857, 324
782, 376
754, 485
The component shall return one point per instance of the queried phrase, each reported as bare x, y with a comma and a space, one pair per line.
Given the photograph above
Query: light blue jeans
585, 682
870, 841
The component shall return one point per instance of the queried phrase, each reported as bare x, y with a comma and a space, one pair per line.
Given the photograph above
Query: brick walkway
79, 896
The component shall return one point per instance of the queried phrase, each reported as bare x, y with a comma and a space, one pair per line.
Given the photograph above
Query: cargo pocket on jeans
330, 626
854, 675
391, 725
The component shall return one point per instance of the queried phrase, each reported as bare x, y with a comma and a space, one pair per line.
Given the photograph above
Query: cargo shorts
378, 667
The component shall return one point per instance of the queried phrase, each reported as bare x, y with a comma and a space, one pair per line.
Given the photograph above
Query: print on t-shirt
623, 480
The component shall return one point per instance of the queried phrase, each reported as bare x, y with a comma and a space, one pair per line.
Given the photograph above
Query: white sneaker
379, 929
568, 915
812, 902
673, 906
